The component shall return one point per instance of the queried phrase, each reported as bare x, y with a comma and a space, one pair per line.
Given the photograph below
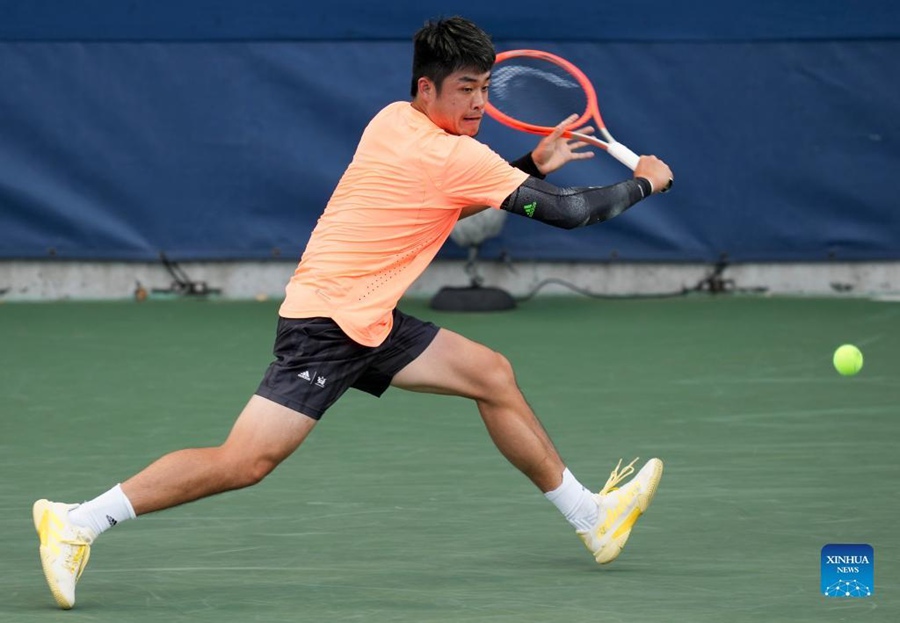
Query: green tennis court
400, 509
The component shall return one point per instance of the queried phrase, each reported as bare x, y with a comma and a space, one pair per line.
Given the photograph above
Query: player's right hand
655, 170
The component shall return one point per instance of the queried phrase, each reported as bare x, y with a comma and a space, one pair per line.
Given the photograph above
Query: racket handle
629, 159
623, 155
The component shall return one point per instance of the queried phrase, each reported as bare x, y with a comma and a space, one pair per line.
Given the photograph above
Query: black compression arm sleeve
569, 208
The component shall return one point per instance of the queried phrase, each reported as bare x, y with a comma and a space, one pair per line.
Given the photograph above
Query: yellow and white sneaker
65, 549
620, 508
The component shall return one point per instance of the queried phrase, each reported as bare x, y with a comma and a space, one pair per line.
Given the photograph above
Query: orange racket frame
592, 111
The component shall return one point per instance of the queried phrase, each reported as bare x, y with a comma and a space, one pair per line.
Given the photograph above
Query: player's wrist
527, 164
645, 185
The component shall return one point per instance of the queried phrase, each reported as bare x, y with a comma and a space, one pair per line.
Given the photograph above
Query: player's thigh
455, 365
266, 430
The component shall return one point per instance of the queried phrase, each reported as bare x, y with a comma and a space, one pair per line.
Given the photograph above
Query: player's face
459, 107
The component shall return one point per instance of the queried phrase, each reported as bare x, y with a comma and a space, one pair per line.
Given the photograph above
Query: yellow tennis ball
848, 360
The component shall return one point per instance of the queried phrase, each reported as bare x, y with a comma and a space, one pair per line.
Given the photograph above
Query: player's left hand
554, 150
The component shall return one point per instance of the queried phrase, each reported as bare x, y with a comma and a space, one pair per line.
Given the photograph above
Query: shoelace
75, 556
615, 477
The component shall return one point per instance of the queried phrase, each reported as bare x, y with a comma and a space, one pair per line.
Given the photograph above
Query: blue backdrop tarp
782, 150
529, 20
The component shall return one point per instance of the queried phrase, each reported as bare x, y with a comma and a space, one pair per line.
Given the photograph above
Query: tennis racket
532, 90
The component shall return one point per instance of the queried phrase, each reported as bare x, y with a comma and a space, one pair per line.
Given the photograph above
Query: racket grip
629, 159
623, 155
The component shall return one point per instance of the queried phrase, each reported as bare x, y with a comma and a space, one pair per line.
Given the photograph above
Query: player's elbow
573, 214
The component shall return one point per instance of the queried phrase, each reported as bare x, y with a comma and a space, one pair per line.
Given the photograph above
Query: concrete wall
50, 281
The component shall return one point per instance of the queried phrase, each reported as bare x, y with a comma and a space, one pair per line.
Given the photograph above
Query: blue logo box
848, 570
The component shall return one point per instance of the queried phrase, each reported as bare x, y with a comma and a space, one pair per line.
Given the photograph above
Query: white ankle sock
103, 512
575, 502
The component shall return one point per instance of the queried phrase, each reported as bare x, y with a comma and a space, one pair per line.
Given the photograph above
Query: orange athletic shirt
394, 207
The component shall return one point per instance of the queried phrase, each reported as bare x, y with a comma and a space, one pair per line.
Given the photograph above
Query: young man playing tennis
416, 171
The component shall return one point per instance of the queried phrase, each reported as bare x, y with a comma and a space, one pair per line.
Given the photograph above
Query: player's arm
569, 208
575, 207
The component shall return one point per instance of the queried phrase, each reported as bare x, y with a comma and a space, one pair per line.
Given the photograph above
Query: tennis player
417, 170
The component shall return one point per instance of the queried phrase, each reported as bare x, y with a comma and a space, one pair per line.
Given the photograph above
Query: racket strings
536, 92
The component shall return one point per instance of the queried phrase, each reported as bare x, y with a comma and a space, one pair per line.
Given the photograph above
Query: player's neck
419, 105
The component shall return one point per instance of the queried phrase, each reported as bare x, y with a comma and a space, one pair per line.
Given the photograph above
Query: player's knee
497, 376
256, 470
244, 470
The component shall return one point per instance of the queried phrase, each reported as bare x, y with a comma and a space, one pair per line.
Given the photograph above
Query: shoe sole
616, 545
37, 514
655, 479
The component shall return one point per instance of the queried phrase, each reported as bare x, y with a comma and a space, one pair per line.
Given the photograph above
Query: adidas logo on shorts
306, 376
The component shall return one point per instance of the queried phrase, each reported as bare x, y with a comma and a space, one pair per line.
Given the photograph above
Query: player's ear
427, 89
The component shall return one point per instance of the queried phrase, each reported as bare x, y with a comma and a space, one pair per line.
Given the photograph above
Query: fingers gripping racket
532, 90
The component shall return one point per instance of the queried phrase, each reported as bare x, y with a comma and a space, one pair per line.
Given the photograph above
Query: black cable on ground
597, 295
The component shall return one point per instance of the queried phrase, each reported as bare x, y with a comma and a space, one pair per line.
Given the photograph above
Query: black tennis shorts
315, 361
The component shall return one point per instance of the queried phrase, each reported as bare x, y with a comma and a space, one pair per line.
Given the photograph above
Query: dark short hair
446, 45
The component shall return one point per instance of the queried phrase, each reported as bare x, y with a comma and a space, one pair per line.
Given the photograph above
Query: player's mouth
470, 125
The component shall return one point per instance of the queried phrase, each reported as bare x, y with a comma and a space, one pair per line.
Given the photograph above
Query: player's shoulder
391, 110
